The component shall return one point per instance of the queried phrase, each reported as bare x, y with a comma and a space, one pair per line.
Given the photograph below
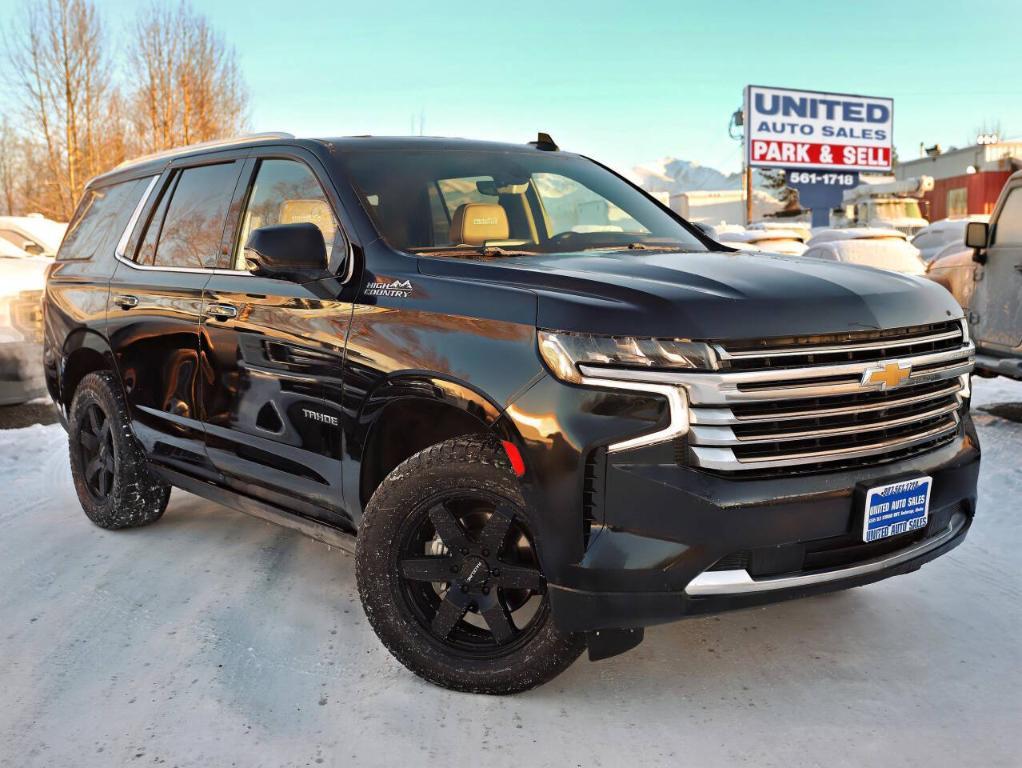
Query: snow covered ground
214, 639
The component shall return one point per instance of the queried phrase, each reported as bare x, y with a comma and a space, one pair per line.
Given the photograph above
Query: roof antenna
544, 142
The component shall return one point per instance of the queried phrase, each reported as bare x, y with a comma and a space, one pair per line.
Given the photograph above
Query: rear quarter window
100, 219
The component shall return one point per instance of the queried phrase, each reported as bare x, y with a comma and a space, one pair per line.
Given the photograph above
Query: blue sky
625, 82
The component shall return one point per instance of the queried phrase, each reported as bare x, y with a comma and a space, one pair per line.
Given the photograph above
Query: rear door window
100, 220
193, 226
147, 249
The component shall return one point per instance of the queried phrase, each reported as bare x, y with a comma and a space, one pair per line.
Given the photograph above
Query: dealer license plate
896, 508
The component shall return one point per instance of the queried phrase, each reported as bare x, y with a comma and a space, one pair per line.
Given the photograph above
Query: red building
966, 181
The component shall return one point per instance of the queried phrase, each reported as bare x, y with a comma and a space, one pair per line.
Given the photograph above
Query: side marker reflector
515, 457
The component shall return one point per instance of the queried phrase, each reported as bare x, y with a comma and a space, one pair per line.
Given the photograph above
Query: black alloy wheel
112, 477
470, 575
449, 571
98, 453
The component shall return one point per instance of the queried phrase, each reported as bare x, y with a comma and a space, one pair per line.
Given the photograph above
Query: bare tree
61, 72
9, 171
188, 85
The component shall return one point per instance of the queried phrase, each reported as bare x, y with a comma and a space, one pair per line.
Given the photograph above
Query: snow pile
26, 456
673, 175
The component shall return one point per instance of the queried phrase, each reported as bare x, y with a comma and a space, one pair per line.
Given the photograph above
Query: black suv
552, 411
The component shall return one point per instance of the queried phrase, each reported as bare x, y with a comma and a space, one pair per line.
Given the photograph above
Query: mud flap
604, 643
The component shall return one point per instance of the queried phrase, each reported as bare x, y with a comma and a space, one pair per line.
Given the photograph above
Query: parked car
707, 229
785, 224
953, 267
552, 411
994, 280
787, 241
10, 251
937, 236
869, 247
22, 278
34, 234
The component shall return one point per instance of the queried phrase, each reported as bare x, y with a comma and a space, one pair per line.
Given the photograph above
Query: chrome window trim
122, 245
739, 582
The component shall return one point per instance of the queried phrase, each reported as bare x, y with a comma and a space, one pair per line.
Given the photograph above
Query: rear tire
111, 475
448, 574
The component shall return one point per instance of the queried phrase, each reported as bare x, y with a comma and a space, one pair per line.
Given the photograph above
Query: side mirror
288, 251
32, 248
977, 234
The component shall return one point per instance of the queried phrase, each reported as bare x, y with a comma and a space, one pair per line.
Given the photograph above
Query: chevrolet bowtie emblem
888, 375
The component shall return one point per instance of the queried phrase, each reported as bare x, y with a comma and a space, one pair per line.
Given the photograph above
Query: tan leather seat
479, 223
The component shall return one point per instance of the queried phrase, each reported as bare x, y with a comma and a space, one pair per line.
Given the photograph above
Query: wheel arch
413, 411
85, 351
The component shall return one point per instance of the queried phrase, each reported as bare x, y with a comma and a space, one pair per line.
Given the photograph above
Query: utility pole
738, 122
748, 195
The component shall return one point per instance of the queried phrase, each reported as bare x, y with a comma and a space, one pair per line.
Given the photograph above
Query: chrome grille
776, 415
802, 351
802, 402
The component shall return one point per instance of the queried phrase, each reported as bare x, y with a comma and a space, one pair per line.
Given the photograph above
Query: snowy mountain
672, 175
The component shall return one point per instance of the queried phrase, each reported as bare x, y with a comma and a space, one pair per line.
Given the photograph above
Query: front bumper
664, 526
999, 366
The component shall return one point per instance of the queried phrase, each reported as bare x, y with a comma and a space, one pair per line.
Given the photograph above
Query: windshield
457, 202
897, 209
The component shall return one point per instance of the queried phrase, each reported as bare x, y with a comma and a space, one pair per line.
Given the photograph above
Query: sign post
827, 137
820, 191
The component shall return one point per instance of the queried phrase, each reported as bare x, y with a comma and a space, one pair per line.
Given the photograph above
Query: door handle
1018, 267
221, 311
126, 302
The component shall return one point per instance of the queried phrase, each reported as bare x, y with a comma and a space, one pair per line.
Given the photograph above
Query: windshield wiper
636, 246
486, 250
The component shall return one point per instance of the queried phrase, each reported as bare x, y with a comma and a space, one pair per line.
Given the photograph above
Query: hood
707, 296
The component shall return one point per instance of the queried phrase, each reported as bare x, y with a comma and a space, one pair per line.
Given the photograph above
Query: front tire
114, 483
448, 573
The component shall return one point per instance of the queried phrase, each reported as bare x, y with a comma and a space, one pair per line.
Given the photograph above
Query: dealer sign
828, 131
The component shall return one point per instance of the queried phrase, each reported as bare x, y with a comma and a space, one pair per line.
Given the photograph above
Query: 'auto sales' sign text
804, 129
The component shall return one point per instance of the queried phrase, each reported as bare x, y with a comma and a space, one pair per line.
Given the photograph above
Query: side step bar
314, 529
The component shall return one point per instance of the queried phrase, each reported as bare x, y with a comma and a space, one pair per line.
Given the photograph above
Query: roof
343, 143
38, 228
855, 233
959, 222
955, 162
763, 235
10, 250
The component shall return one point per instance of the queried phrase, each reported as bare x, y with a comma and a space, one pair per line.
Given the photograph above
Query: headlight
564, 352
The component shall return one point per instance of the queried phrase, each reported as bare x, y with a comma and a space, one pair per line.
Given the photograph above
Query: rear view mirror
289, 251
977, 234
